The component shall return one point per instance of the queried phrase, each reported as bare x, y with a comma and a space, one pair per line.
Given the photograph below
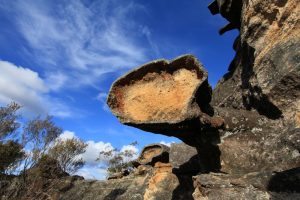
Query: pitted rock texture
257, 185
161, 96
264, 75
162, 183
259, 101
184, 159
152, 154
259, 96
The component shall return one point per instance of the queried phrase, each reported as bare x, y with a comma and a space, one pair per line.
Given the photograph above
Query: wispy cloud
102, 96
77, 43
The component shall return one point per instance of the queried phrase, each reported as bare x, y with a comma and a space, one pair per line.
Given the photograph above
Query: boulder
162, 96
162, 183
257, 185
153, 153
184, 159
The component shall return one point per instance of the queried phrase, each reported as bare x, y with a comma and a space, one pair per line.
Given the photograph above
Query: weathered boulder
162, 97
152, 154
142, 170
184, 159
164, 184
260, 149
257, 185
118, 175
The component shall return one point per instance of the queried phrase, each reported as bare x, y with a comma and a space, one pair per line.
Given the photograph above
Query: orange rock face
161, 92
159, 96
162, 181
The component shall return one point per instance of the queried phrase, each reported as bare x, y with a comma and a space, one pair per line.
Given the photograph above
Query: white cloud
94, 169
93, 151
132, 150
66, 135
27, 88
78, 43
89, 172
166, 143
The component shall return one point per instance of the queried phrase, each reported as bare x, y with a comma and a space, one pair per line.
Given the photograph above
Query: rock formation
242, 141
152, 154
230, 10
247, 139
163, 97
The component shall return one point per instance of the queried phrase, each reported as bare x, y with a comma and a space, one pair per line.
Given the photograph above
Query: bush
8, 117
118, 161
39, 138
67, 152
11, 153
46, 167
38, 135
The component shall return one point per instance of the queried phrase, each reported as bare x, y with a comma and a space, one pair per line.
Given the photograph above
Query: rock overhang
162, 96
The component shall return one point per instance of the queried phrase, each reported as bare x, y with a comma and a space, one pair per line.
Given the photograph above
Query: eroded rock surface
184, 159
162, 96
152, 154
257, 185
259, 101
247, 146
264, 75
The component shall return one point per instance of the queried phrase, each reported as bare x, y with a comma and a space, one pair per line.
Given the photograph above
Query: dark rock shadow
185, 189
285, 181
114, 194
184, 173
209, 152
203, 97
192, 167
252, 95
207, 160
255, 98
261, 103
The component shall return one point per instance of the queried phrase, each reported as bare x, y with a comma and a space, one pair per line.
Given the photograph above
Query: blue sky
60, 57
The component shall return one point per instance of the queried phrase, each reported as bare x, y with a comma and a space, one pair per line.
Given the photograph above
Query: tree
8, 120
11, 152
117, 160
38, 135
67, 152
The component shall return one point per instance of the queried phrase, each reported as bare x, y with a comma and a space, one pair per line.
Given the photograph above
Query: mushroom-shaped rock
162, 96
152, 154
